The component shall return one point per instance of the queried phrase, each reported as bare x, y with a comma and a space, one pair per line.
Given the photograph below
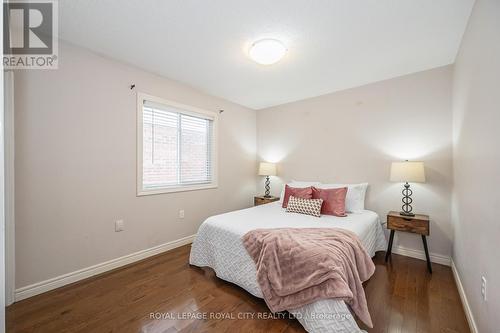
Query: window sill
143, 192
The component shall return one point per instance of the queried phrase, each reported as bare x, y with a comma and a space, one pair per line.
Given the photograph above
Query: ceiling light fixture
267, 51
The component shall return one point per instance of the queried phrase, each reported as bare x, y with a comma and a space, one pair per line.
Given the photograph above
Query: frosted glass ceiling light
267, 51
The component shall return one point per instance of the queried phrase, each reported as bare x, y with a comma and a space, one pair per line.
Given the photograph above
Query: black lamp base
268, 187
406, 214
407, 200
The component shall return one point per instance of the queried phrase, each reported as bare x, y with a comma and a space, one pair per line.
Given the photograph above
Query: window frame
187, 110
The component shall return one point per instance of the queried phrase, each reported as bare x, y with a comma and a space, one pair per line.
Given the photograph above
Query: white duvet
218, 245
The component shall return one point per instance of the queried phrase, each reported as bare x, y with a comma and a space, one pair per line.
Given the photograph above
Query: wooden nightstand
261, 200
418, 224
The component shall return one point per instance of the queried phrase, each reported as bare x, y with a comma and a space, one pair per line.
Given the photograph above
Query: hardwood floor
402, 297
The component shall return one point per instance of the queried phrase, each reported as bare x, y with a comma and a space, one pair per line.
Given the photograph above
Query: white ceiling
333, 44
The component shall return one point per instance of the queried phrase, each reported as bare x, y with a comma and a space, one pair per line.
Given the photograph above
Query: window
176, 147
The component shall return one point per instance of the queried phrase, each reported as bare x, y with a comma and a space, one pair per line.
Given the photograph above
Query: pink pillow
304, 193
333, 200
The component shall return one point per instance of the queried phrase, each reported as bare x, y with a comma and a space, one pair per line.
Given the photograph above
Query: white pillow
298, 184
355, 198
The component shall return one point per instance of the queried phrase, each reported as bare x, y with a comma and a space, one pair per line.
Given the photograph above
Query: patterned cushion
304, 206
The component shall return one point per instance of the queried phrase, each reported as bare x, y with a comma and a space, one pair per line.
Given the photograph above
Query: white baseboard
62, 280
420, 254
463, 297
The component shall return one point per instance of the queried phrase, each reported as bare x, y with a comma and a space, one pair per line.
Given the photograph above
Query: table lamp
267, 169
407, 172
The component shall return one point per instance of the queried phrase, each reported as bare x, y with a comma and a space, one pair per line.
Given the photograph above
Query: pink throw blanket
298, 266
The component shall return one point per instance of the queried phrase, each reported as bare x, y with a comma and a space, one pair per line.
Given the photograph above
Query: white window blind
177, 147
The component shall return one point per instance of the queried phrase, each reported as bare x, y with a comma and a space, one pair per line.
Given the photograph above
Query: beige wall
476, 131
353, 135
76, 166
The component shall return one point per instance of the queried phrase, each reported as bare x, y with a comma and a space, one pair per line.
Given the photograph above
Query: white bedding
218, 245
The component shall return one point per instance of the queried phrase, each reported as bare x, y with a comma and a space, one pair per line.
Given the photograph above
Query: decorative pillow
296, 183
305, 206
333, 200
355, 198
304, 193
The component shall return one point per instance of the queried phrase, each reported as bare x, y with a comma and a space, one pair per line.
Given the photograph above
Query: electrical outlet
181, 214
119, 225
483, 287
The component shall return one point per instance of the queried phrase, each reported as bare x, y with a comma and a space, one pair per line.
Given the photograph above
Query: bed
218, 245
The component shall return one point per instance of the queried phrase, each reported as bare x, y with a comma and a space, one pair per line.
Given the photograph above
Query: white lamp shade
267, 169
412, 172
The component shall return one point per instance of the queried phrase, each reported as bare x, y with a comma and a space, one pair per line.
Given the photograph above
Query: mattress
218, 245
